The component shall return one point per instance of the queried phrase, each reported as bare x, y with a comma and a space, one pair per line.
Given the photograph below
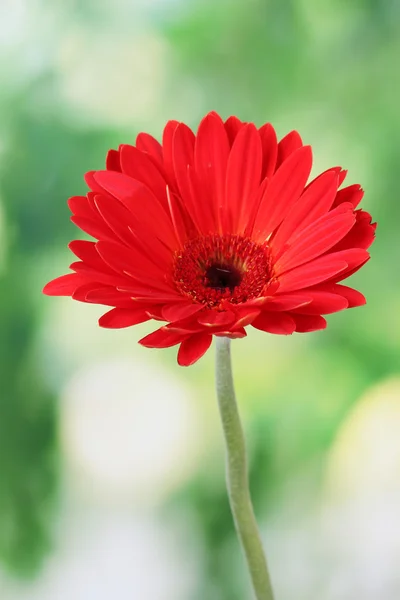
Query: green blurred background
111, 458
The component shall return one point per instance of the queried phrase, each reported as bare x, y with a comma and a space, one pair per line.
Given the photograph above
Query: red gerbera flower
215, 231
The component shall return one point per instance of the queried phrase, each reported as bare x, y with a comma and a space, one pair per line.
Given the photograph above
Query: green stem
237, 474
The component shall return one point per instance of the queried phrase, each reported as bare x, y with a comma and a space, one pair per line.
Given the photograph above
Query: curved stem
237, 474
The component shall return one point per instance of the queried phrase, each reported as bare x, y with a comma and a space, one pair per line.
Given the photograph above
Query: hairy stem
237, 474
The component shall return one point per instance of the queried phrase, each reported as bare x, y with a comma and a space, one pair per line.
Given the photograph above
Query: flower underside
218, 268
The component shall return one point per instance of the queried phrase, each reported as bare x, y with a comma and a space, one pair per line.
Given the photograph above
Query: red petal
308, 323
139, 200
132, 263
138, 165
177, 217
256, 203
288, 144
355, 259
113, 162
243, 176
213, 318
92, 183
109, 296
341, 173
177, 312
233, 335
87, 252
193, 348
352, 193
284, 190
79, 205
210, 158
102, 276
246, 317
147, 143
199, 198
361, 235
119, 219
140, 293
82, 291
282, 302
155, 312
353, 297
279, 323
97, 229
323, 303
316, 200
118, 185
269, 143
316, 239
182, 154
232, 126
64, 285
348, 272
162, 338
118, 318
318, 270
167, 148
152, 248
185, 327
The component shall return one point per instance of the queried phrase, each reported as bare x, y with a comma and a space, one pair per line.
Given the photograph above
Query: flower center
221, 277
216, 268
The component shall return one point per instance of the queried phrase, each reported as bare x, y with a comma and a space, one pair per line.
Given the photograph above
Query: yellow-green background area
111, 459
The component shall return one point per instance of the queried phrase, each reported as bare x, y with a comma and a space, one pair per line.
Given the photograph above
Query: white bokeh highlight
103, 555
128, 431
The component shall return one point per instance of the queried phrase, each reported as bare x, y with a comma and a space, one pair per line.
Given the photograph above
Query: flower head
214, 231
